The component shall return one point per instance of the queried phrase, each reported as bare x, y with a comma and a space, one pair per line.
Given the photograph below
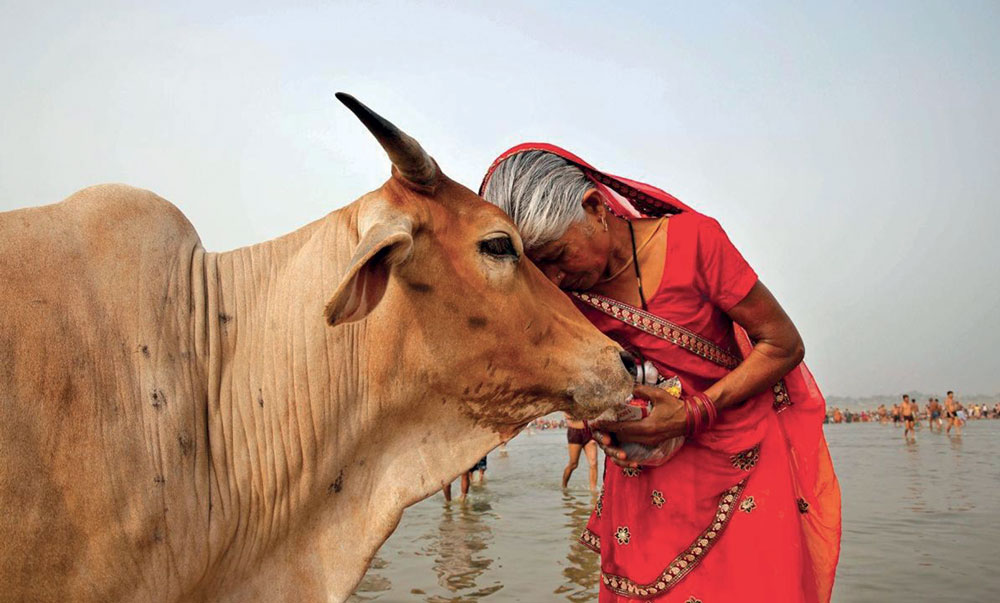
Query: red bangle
705, 403
689, 412
694, 404
710, 408
696, 414
689, 417
699, 422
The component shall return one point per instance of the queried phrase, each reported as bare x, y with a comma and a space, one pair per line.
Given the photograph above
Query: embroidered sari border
662, 328
677, 335
782, 399
684, 563
591, 540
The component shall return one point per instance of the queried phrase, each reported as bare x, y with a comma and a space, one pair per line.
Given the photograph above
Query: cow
180, 425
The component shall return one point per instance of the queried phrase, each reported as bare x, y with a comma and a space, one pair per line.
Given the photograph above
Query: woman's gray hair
541, 192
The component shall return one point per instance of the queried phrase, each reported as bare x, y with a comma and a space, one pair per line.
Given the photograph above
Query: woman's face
577, 260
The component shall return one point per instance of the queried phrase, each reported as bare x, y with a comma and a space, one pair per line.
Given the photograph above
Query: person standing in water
908, 411
934, 414
579, 438
467, 480
951, 413
961, 415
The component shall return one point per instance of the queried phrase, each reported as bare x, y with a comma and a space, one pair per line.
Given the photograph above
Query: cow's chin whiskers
510, 419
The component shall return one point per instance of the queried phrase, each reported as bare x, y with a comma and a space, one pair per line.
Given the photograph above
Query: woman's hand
608, 444
666, 420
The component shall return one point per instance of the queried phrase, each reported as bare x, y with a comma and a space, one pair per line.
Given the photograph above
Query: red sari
749, 510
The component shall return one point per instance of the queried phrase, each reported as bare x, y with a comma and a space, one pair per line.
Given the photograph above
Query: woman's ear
595, 210
593, 203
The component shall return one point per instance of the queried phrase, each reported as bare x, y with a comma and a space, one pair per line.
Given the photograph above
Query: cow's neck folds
270, 381
300, 440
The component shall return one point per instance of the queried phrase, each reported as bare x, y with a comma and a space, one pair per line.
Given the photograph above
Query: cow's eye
498, 247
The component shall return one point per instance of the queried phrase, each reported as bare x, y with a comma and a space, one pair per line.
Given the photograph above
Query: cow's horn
413, 163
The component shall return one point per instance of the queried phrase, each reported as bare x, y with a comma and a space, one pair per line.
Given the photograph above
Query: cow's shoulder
95, 237
120, 209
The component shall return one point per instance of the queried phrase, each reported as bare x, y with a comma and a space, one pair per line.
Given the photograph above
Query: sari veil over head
625, 198
791, 414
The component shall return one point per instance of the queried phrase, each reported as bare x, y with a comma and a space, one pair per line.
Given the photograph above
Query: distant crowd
542, 424
933, 410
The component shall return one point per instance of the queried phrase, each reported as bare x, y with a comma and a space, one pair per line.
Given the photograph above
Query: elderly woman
749, 508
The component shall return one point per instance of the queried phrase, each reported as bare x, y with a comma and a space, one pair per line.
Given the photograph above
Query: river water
921, 523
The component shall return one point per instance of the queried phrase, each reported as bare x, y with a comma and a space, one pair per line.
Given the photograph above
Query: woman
749, 508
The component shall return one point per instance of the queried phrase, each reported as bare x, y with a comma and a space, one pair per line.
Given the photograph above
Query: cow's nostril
628, 361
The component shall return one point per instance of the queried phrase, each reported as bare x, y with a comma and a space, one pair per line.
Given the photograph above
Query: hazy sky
852, 151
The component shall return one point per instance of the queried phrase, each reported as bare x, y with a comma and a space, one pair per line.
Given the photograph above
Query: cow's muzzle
607, 385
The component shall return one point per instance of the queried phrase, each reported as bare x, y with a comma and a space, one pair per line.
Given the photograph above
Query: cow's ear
363, 284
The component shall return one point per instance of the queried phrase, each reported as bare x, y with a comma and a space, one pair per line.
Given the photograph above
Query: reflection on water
583, 565
514, 538
374, 581
458, 546
920, 524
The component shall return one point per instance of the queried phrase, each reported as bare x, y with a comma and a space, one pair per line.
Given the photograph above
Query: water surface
920, 524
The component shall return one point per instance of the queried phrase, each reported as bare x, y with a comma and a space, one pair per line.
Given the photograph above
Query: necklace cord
627, 264
635, 262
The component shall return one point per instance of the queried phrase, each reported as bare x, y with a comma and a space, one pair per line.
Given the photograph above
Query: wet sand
921, 523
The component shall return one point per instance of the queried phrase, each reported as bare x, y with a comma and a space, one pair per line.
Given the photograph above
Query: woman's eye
498, 247
551, 259
554, 259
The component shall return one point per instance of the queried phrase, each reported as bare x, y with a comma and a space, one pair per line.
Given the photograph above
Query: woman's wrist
700, 413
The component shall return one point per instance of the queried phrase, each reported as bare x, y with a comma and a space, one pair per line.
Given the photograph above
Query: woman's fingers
617, 455
648, 437
647, 392
649, 440
596, 425
625, 464
655, 395
630, 428
601, 438
613, 452
606, 444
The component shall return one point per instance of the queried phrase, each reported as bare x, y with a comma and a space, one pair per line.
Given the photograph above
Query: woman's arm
778, 349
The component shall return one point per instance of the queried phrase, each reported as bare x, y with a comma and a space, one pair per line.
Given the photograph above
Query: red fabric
763, 554
780, 537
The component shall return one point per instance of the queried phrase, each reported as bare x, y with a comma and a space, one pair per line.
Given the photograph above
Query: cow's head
440, 278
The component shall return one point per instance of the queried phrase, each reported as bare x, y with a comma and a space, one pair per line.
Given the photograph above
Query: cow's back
99, 442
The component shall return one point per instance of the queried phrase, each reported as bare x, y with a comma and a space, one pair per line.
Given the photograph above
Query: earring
605, 223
